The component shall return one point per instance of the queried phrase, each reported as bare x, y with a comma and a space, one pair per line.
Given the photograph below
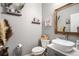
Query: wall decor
48, 21
12, 8
35, 21
5, 34
5, 31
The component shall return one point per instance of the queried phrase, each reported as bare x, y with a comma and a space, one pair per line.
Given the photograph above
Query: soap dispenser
77, 44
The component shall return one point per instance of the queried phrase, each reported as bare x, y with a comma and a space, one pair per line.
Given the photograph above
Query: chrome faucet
66, 36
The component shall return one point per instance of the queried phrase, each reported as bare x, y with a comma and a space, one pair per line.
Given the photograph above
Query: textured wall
24, 31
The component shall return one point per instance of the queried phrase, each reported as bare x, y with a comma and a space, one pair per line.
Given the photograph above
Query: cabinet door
51, 52
58, 54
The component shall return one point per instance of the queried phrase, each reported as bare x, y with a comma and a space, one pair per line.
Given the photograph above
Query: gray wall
24, 31
48, 10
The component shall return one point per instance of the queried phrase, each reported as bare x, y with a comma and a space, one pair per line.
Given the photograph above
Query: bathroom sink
63, 45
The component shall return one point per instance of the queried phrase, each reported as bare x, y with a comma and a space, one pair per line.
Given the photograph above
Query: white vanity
56, 52
61, 50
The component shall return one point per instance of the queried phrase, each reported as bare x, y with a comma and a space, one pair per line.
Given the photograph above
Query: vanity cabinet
52, 52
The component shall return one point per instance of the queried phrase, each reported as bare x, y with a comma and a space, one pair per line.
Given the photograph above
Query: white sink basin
63, 45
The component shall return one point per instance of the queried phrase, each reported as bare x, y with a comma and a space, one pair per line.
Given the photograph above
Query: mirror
67, 19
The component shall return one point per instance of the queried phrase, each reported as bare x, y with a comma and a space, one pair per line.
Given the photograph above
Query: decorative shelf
12, 9
35, 22
12, 13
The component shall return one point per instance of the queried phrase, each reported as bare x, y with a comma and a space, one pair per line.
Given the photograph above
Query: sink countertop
74, 52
